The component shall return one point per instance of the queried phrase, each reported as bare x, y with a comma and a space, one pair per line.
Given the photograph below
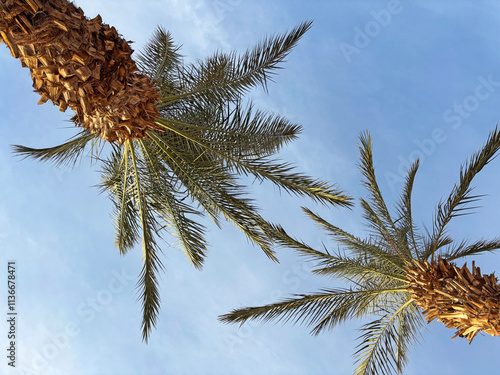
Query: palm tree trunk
82, 64
457, 297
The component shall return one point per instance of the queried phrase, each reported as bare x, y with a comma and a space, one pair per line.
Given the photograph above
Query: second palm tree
395, 271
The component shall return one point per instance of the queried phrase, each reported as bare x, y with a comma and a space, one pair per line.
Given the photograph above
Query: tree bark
457, 297
82, 64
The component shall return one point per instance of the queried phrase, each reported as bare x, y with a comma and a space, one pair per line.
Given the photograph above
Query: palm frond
283, 239
160, 60
236, 130
64, 154
245, 132
461, 194
385, 341
172, 210
370, 182
362, 269
227, 77
264, 168
281, 174
407, 224
321, 310
148, 280
118, 182
218, 193
358, 246
465, 248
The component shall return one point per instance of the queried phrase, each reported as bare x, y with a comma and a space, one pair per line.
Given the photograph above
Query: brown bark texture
458, 297
83, 64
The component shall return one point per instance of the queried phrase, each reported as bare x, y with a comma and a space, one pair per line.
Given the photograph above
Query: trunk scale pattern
457, 297
82, 64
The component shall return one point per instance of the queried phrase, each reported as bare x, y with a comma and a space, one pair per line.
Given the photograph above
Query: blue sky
422, 77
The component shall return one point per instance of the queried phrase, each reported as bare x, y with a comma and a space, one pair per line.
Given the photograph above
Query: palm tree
393, 272
165, 170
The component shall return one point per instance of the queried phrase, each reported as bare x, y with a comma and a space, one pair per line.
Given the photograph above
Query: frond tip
66, 154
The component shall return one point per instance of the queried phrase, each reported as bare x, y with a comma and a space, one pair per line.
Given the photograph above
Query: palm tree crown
207, 138
381, 269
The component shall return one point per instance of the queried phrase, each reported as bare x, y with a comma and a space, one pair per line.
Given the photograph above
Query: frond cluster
377, 267
207, 137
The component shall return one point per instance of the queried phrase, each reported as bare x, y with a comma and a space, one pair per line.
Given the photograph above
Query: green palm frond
148, 281
66, 154
263, 168
254, 132
282, 175
361, 270
380, 248
217, 191
320, 311
174, 213
117, 180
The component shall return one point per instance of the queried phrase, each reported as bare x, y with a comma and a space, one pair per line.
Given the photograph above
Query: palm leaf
370, 182
405, 210
172, 210
148, 281
159, 60
67, 153
461, 194
385, 341
117, 180
321, 310
227, 77
465, 248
